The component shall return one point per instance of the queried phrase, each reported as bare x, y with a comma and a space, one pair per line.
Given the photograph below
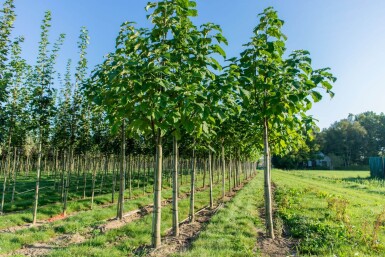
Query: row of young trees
165, 90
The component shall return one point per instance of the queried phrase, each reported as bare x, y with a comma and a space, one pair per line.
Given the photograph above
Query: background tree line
349, 143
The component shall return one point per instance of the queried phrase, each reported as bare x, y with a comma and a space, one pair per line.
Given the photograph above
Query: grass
337, 213
133, 238
83, 221
50, 201
233, 230
329, 213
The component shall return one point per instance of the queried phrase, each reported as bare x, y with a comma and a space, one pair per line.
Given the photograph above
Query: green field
332, 212
323, 213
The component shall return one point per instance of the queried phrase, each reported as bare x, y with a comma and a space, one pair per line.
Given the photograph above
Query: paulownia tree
112, 88
160, 79
41, 94
7, 19
15, 115
280, 91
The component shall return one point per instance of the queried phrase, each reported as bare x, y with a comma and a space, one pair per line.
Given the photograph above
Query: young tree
15, 116
41, 94
7, 19
280, 92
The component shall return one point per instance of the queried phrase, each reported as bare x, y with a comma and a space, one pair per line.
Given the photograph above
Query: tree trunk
85, 177
223, 172
67, 180
121, 179
14, 174
37, 179
156, 239
175, 220
204, 172
192, 193
6, 172
230, 174
267, 183
93, 182
211, 181
66, 188
113, 180
130, 177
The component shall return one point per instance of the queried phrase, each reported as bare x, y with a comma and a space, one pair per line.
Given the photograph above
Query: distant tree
374, 125
299, 157
346, 139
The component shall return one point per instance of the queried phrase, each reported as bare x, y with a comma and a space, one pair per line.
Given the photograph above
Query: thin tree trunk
267, 183
211, 181
204, 172
14, 174
85, 177
67, 180
230, 174
175, 220
121, 180
6, 172
192, 191
37, 179
138, 173
130, 177
113, 180
93, 182
223, 171
156, 239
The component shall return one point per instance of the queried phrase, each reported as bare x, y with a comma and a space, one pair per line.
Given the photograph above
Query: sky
346, 35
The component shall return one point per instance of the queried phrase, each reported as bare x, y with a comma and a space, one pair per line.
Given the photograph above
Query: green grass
332, 212
135, 237
50, 201
233, 230
83, 221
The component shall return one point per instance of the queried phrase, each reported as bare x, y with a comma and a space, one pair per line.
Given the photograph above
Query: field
328, 213
316, 213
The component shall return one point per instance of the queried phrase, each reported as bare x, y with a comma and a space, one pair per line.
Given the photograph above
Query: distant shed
376, 165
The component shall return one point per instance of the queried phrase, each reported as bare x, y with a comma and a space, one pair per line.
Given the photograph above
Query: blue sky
346, 35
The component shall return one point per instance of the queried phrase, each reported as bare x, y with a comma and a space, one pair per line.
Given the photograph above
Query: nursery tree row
166, 91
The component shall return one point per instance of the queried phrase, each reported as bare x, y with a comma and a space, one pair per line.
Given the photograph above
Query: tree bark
223, 172
121, 179
37, 179
156, 239
175, 219
267, 182
93, 182
192, 193
211, 181
66, 187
